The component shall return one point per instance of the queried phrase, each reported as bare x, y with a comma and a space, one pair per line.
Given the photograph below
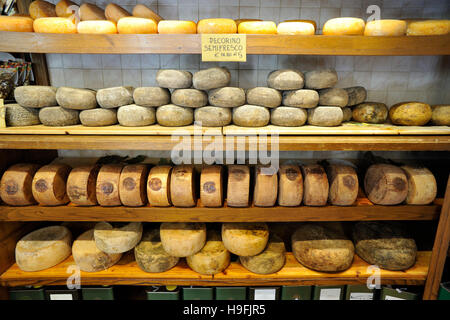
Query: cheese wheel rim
97, 27
54, 25
16, 24
216, 26
134, 25
177, 27
257, 27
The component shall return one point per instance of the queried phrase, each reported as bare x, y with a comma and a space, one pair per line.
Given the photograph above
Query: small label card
224, 47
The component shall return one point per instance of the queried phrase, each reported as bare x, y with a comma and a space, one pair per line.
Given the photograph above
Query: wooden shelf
126, 272
363, 210
256, 44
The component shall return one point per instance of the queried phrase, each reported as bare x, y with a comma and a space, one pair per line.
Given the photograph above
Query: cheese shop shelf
362, 210
191, 44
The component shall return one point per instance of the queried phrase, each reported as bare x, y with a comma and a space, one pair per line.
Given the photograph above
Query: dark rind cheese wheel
422, 186
182, 186
158, 186
211, 186
108, 181
81, 185
315, 183
49, 185
132, 185
16, 184
385, 184
290, 186
271, 260
238, 186
266, 187
344, 186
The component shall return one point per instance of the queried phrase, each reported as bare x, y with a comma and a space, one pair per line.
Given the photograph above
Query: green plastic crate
198, 293
388, 293
231, 293
359, 292
98, 293
23, 293
444, 291
161, 293
329, 292
296, 292
264, 293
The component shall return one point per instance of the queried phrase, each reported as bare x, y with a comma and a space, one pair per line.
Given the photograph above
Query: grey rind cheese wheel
325, 116
49, 184
174, 79
35, 96
81, 185
315, 184
88, 257
344, 186
440, 115
43, 248
58, 117
136, 116
213, 258
74, 98
171, 115
158, 186
16, 184
211, 116
191, 98
265, 97
303, 98
385, 184
410, 113
107, 187
182, 186
117, 239
290, 185
150, 255
151, 96
211, 78
356, 95
286, 79
18, 116
211, 186
385, 245
347, 114
245, 238
251, 116
133, 185
227, 97
271, 260
182, 239
288, 116
115, 97
98, 117
322, 247
422, 186
238, 186
370, 112
333, 97
320, 79
266, 186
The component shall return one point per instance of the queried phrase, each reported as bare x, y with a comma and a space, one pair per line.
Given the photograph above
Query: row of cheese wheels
162, 186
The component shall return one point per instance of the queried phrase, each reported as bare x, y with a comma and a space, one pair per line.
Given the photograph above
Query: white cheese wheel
16, 184
117, 237
344, 186
266, 186
49, 185
321, 79
177, 27
43, 248
344, 26
151, 96
142, 11
74, 98
265, 97
97, 27
16, 24
136, 116
35, 96
227, 97
296, 28
133, 25
182, 239
114, 12
216, 26
388, 27
333, 97
89, 11
58, 117
98, 117
63, 8
286, 79
251, 116
115, 97
54, 25
210, 116
428, 28
41, 9
238, 186
303, 98
18, 116
211, 78
257, 27
270, 260
182, 186
245, 238
132, 185
325, 116
290, 189
211, 186
315, 184
191, 98
107, 188
385, 184
422, 186
174, 79
288, 116
158, 186
81, 185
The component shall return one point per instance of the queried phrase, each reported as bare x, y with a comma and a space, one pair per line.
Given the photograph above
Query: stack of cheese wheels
49, 185
385, 184
132, 185
65, 8
270, 260
385, 28
97, 27
158, 186
16, 184
43, 248
257, 27
114, 13
266, 186
89, 11
344, 26
245, 238
107, 187
142, 11
177, 27
290, 189
422, 186
81, 185
216, 26
54, 25
296, 28
134, 25
16, 24
211, 186
182, 186
118, 237
41, 9
315, 192
181, 239
238, 186
428, 27
344, 186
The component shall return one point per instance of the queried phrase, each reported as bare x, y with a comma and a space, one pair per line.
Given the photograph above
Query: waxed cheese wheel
320, 79
16, 24
356, 95
97, 27
18, 116
347, 114
49, 185
410, 113
385, 184
114, 12
89, 11
286, 79
88, 257
239, 21
265, 97
303, 20
177, 27
65, 8
16, 184
133, 25
325, 116
35, 96
211, 186
257, 27
58, 117
54, 25
333, 97
182, 239
388, 27
344, 186
136, 116
74, 98
303, 98
171, 115
428, 28
440, 115
216, 26
210, 116
98, 117
182, 186
142, 11
118, 237
315, 185
270, 260
344, 26
133, 185
151, 96
251, 116
174, 79
266, 186
158, 186
107, 188
43, 248
238, 186
41, 9
213, 258
422, 186
191, 98
370, 112
288, 116
81, 185
227, 97
211, 78
150, 255
115, 97
296, 28
290, 188
245, 238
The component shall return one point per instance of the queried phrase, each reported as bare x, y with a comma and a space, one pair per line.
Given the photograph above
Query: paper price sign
224, 47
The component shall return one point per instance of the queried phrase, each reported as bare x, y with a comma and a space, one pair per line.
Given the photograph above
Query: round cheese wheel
177, 27
290, 187
211, 186
158, 186
114, 12
63, 8
89, 11
325, 116
98, 117
303, 20
133, 25
303, 98
213, 116
211, 78
422, 187
315, 184
265, 97
245, 238
238, 186
251, 116
58, 117
296, 28
115, 97
385, 28
74, 98
107, 188
142, 11
440, 115
266, 186
356, 95
270, 260
216, 26
171, 115
118, 237
16, 184
81, 185
385, 184
150, 255
182, 239
97, 27
43, 248
428, 28
288, 116
35, 96
344, 26
333, 97
213, 258
320, 79
151, 96
410, 113
18, 116
41, 9
191, 98
16, 24
174, 79
239, 21
257, 27
49, 185
370, 112
344, 186
227, 97
88, 257
285, 79
347, 114
182, 186
132, 185
136, 116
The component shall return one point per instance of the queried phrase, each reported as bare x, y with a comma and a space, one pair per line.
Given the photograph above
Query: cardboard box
329, 292
62, 293
444, 291
296, 292
162, 293
359, 292
27, 293
231, 293
389, 293
199, 293
264, 293
98, 293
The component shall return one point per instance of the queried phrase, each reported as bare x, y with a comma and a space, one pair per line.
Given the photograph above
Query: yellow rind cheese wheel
344, 26
177, 27
257, 27
296, 28
97, 27
216, 26
133, 25
385, 28
54, 25
16, 24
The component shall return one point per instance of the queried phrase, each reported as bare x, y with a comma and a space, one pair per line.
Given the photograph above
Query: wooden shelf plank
191, 44
126, 272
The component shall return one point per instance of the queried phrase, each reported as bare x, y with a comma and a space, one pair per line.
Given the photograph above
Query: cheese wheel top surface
41, 9
142, 11
216, 26
89, 11
42, 238
63, 8
115, 12
177, 27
